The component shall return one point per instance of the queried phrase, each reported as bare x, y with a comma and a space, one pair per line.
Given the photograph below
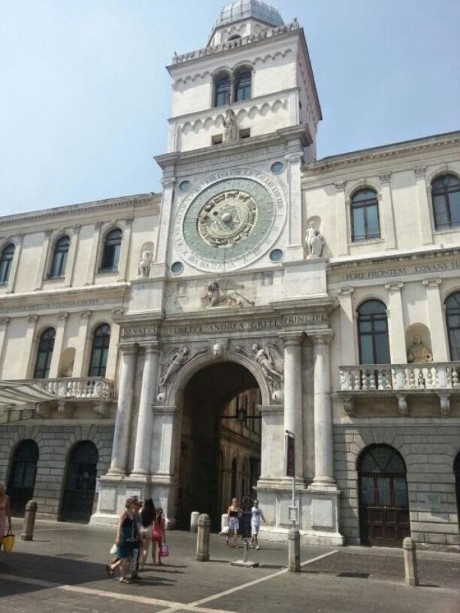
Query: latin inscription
400, 271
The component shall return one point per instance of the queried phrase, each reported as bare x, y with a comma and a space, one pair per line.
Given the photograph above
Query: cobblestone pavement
62, 570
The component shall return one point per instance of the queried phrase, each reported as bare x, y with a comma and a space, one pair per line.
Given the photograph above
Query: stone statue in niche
418, 352
145, 263
216, 296
265, 359
175, 360
230, 126
314, 241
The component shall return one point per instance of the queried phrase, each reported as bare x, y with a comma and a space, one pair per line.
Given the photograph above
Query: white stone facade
242, 286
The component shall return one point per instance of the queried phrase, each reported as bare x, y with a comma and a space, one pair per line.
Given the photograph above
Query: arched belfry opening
220, 444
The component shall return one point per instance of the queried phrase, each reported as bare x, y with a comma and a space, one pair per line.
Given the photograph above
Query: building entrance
220, 445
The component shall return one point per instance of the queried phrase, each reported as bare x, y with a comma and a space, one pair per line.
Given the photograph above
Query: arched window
383, 500
243, 81
445, 194
80, 483
99, 351
22, 476
364, 215
5, 263
44, 354
61, 249
373, 333
111, 252
221, 90
453, 325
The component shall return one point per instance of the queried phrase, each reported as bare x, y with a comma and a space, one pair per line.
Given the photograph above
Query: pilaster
164, 227
341, 219
30, 345
4, 321
93, 255
386, 210
347, 330
72, 256
295, 238
15, 264
424, 217
125, 250
58, 344
396, 328
82, 344
439, 341
42, 260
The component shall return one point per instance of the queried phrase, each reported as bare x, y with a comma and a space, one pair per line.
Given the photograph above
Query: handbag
8, 542
113, 549
164, 551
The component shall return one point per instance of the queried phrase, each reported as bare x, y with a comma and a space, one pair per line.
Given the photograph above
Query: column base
323, 484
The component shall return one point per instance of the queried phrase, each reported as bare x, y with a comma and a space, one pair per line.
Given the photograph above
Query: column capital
85, 314
127, 349
4, 321
420, 172
385, 178
340, 186
63, 316
394, 287
150, 347
76, 229
291, 339
321, 337
432, 282
168, 182
345, 291
293, 157
128, 222
33, 318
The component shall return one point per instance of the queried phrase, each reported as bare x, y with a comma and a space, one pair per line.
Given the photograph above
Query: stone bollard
194, 521
202, 539
294, 551
29, 521
410, 562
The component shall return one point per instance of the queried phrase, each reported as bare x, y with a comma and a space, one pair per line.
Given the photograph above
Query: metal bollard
410, 562
29, 521
202, 539
194, 521
294, 551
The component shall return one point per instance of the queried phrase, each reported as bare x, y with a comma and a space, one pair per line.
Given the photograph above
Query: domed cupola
255, 9
244, 18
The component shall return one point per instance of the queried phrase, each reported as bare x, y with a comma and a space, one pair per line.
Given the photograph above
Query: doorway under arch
80, 483
220, 440
22, 476
383, 499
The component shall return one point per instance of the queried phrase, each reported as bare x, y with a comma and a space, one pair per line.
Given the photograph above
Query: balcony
401, 381
96, 392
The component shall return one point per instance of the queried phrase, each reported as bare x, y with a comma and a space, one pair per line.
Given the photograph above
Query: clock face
229, 223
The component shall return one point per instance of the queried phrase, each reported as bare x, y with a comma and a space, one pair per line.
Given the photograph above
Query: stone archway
210, 401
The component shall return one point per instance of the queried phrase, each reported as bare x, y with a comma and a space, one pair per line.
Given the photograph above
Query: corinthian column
144, 432
293, 395
119, 463
324, 467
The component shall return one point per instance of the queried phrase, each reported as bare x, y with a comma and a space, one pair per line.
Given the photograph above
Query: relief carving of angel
174, 360
271, 369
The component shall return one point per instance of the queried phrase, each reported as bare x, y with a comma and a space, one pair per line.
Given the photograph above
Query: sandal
109, 570
125, 581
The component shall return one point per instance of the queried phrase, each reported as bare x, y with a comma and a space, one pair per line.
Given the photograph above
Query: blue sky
86, 96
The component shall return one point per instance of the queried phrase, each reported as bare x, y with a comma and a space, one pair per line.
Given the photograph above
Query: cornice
383, 152
77, 209
285, 135
370, 260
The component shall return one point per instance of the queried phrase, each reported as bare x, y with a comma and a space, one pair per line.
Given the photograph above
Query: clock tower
234, 306
244, 118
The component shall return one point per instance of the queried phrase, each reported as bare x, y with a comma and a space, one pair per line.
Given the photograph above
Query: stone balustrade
400, 377
84, 388
238, 42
